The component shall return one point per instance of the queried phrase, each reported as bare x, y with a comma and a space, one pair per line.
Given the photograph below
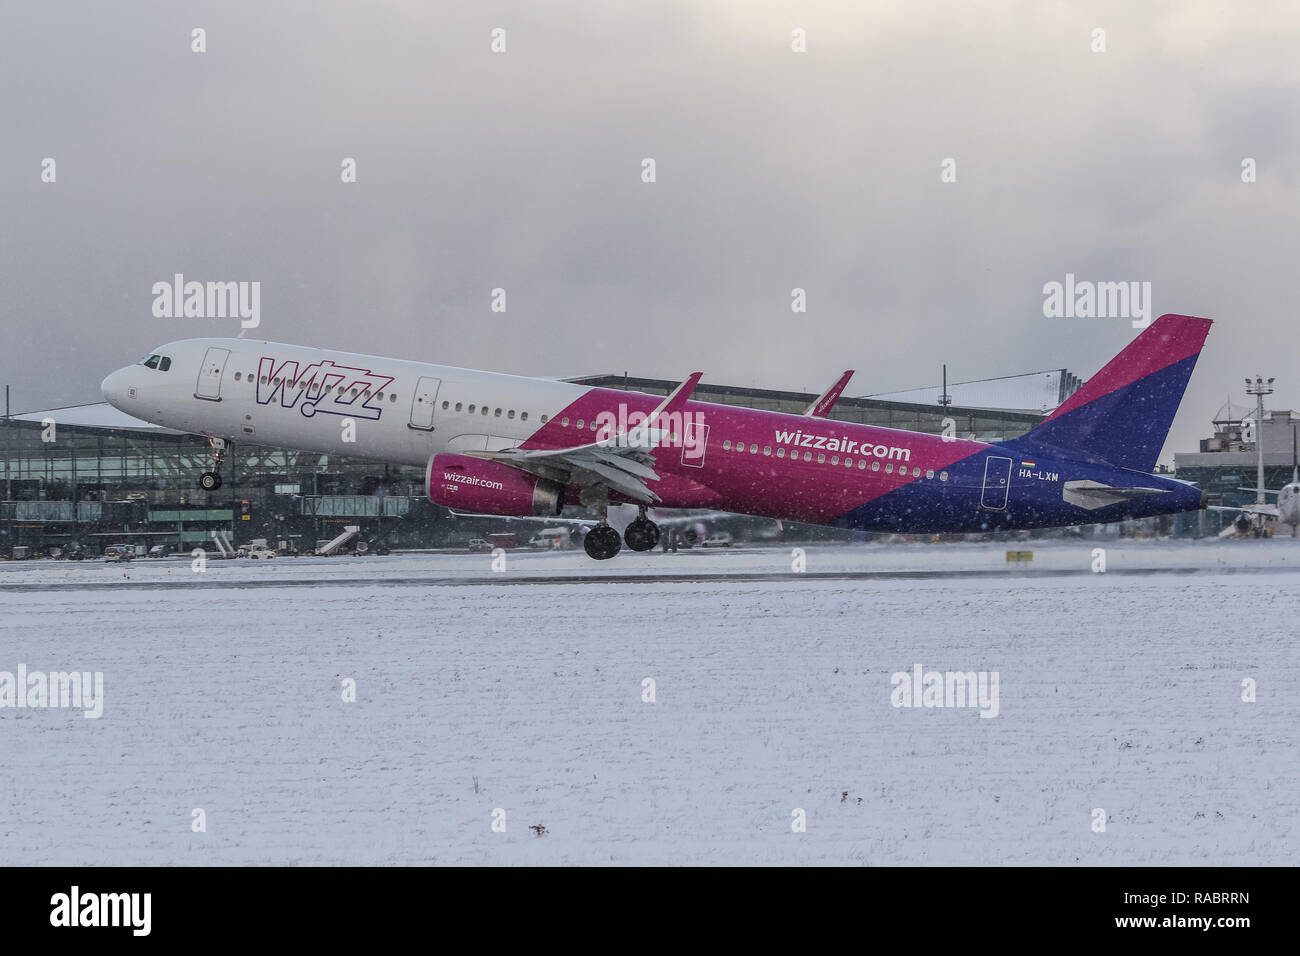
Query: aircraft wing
622, 463
827, 399
1268, 511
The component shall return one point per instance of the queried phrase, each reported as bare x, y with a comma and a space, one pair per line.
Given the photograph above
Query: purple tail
1122, 414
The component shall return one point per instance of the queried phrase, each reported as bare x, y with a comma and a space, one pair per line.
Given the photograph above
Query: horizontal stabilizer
1093, 494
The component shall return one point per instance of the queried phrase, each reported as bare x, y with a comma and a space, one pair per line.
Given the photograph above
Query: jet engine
488, 487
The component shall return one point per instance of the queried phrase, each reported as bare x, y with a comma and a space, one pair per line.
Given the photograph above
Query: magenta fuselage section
760, 462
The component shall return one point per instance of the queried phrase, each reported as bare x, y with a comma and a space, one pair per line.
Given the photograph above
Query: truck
257, 548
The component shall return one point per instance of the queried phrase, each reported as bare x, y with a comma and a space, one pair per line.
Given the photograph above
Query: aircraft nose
113, 387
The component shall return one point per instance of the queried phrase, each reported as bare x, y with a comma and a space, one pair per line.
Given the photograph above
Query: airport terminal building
90, 475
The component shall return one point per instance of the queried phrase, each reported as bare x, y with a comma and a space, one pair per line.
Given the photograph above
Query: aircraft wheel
602, 542
209, 481
641, 535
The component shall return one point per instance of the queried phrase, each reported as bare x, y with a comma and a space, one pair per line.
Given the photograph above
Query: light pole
1259, 388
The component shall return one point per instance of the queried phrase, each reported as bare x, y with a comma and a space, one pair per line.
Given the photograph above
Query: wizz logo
322, 387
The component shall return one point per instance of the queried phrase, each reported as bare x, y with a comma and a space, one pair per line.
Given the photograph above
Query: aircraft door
997, 483
695, 440
423, 403
210, 372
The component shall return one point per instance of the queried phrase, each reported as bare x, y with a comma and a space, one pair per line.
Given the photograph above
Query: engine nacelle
488, 487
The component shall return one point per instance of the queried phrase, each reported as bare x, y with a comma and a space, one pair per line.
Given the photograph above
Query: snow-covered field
523, 690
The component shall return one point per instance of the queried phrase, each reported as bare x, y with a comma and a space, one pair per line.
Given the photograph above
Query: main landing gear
603, 542
211, 480
642, 534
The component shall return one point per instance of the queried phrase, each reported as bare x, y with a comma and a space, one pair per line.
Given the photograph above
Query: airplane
515, 446
1286, 511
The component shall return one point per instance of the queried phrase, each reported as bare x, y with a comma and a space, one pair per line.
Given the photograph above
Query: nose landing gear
211, 480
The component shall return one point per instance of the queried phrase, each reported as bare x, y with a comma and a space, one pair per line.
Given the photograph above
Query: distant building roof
1029, 392
94, 415
743, 395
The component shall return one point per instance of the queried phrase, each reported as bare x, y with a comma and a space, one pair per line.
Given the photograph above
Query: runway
771, 692
508, 580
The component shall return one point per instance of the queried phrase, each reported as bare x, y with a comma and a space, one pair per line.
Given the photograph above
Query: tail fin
1122, 414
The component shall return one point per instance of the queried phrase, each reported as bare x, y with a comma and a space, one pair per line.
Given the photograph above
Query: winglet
826, 401
677, 399
647, 434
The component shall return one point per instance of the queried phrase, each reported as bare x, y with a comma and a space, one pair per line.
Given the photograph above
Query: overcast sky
523, 170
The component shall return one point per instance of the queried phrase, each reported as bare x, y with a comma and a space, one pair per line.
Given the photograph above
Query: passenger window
471, 409
929, 473
943, 476
510, 414
807, 456
483, 410
237, 374
862, 464
392, 397
497, 414
444, 406
875, 466
780, 453
821, 459
767, 449
889, 469
726, 445
753, 449
523, 416
564, 422
835, 459
458, 406
580, 423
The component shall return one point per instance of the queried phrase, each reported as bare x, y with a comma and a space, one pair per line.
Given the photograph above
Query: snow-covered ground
523, 690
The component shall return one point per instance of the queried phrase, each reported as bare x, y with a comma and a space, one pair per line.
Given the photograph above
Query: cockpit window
164, 363
151, 361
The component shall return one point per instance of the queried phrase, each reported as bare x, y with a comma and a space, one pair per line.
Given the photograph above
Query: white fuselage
1288, 505
334, 402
